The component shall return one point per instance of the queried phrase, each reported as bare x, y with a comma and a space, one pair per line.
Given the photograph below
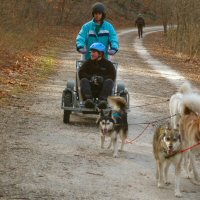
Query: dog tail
191, 103
118, 102
185, 88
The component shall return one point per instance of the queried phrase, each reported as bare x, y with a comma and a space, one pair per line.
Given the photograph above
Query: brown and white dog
190, 130
166, 148
114, 125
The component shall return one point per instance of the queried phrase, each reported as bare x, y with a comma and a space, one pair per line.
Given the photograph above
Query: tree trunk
62, 12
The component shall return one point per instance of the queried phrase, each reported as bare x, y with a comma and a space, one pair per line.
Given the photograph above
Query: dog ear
98, 120
169, 126
163, 131
110, 113
179, 137
101, 113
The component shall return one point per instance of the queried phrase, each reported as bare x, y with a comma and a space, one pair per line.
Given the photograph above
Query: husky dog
190, 130
166, 148
115, 124
175, 104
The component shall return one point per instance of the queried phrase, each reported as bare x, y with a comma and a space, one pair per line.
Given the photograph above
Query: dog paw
160, 185
178, 194
101, 151
167, 183
187, 177
115, 156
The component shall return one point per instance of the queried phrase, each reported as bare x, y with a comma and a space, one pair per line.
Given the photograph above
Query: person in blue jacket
97, 30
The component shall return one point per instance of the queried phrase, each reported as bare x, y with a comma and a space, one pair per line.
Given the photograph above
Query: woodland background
27, 27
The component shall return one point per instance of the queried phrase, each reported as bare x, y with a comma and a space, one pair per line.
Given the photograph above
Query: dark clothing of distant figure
140, 23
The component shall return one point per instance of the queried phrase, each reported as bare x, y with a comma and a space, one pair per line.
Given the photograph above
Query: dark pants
140, 31
90, 91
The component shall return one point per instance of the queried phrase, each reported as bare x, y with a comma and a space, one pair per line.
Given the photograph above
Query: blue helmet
98, 47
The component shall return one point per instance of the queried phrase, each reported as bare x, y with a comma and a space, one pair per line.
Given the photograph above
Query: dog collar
170, 155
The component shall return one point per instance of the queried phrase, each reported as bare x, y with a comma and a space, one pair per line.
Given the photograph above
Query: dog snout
170, 146
105, 130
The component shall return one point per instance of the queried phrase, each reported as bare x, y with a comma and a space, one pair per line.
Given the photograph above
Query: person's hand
97, 80
111, 51
100, 80
82, 50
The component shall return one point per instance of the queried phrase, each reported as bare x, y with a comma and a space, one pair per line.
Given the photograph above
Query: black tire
70, 85
67, 103
66, 116
67, 95
125, 95
121, 90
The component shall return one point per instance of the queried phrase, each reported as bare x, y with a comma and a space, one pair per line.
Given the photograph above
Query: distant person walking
97, 30
140, 23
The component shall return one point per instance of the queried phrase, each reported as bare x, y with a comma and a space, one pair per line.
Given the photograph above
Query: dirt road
42, 158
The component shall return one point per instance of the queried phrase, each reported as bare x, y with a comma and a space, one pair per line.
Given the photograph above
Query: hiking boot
89, 103
102, 104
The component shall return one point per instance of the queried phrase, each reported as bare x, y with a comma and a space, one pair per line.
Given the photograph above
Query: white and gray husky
114, 125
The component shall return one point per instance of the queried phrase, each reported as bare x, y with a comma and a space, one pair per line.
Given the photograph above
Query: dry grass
160, 48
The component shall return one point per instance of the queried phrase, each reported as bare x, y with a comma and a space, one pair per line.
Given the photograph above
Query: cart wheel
66, 116
67, 103
70, 84
125, 95
120, 87
122, 92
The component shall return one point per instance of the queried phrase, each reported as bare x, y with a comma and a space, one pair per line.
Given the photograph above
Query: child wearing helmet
97, 30
97, 76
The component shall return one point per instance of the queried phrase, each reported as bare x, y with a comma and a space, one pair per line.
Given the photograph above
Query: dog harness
120, 119
116, 115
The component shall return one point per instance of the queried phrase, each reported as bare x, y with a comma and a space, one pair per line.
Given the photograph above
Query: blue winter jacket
106, 35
